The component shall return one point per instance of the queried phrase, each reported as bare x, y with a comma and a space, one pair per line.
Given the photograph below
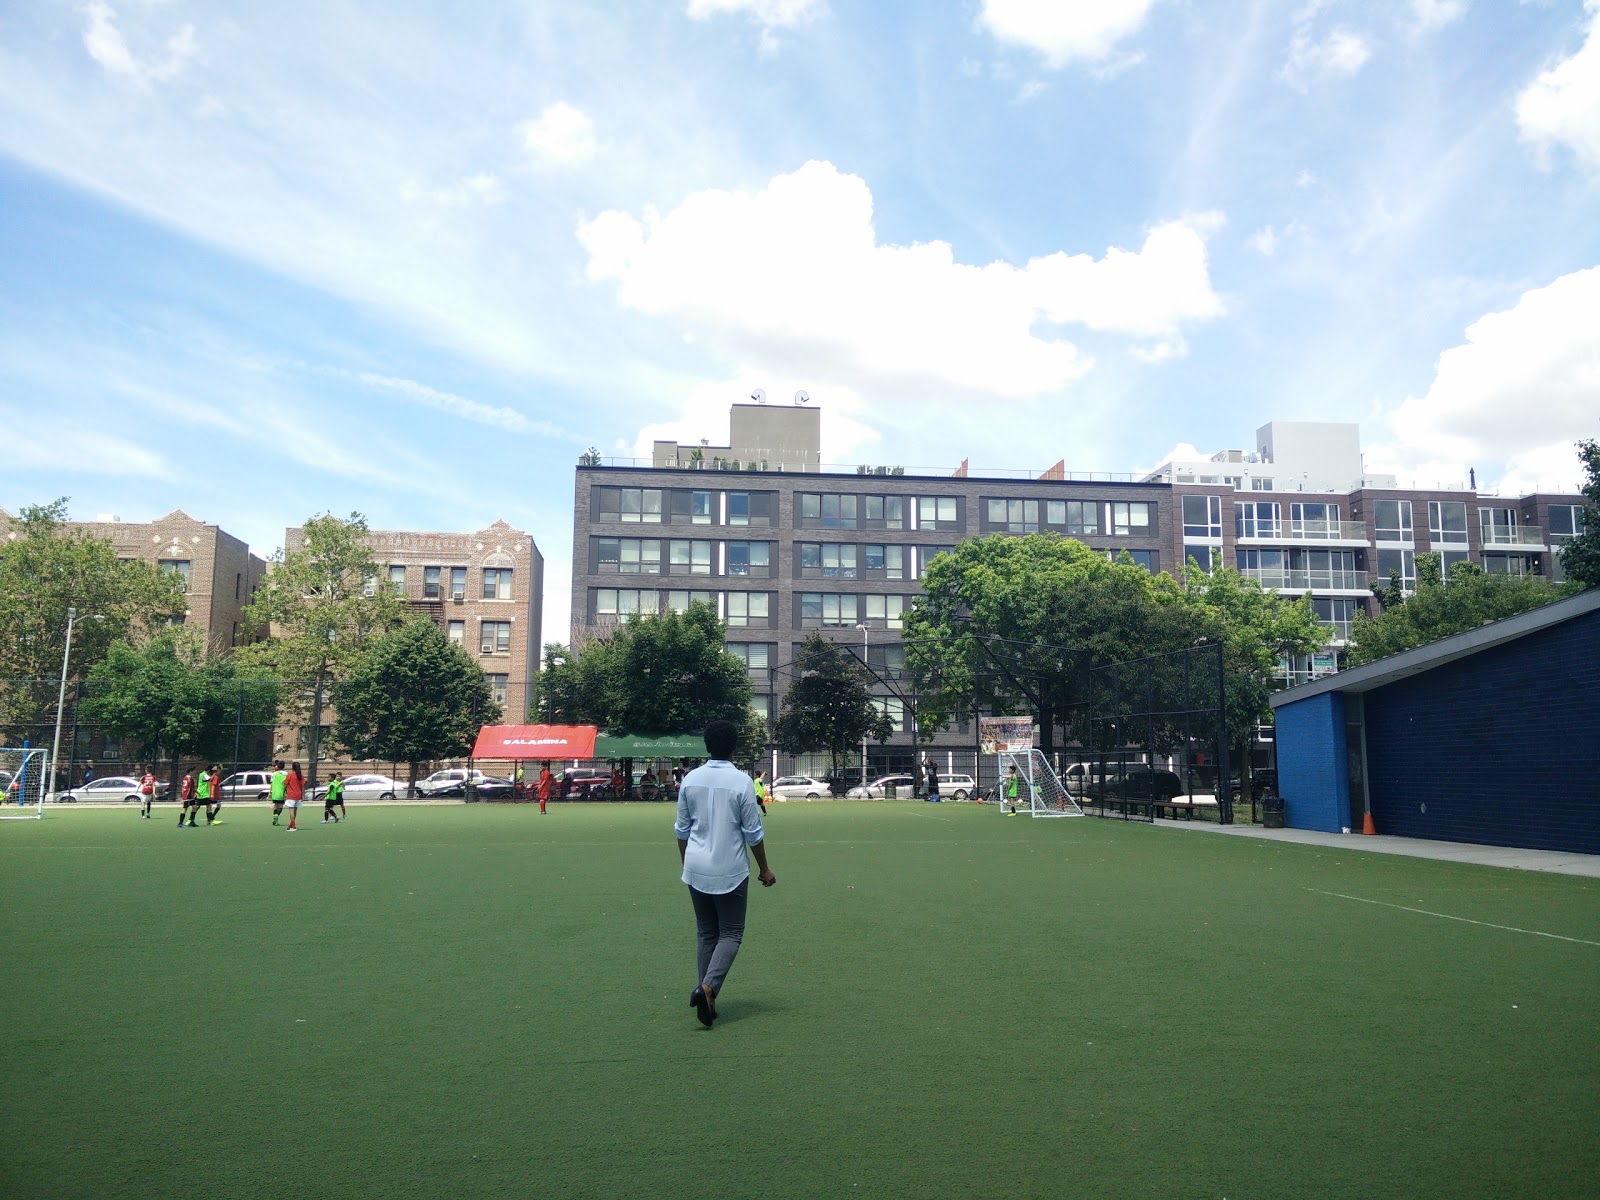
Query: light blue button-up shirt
719, 817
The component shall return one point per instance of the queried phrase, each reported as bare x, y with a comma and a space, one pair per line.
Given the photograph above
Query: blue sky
264, 261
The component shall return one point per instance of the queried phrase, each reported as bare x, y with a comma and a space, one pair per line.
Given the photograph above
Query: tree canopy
827, 706
1438, 607
176, 700
47, 568
656, 674
414, 696
1580, 558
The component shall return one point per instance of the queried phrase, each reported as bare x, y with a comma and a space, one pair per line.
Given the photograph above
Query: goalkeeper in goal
1013, 787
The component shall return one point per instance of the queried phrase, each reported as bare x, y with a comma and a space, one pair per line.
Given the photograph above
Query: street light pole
863, 629
61, 701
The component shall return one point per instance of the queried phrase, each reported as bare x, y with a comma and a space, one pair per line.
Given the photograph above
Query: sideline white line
1466, 920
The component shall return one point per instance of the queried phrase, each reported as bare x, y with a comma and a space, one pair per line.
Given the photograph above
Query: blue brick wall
1500, 749
1313, 776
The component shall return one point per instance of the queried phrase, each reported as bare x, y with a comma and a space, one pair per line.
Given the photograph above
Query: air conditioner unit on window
458, 598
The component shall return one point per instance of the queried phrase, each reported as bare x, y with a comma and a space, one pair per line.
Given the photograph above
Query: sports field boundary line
1560, 937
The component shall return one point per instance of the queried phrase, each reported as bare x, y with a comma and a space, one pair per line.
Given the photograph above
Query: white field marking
1466, 920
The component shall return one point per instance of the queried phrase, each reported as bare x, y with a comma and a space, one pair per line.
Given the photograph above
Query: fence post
1224, 796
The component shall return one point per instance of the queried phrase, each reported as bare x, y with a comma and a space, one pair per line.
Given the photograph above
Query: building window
495, 637
889, 662
1314, 520
1498, 526
1338, 615
369, 586
738, 508
830, 511
691, 558
1391, 521
700, 508
625, 602
497, 583
828, 610
1075, 517
1256, 519
940, 512
761, 705
1131, 518
889, 560
756, 656
828, 560
1013, 516
178, 567
1260, 485
1141, 558
742, 556
1398, 562
631, 506
397, 579
498, 685
458, 583
1566, 522
1301, 569
457, 632
238, 585
430, 583
628, 556
889, 512
894, 708
884, 612
1512, 564
926, 554
1447, 521
1449, 558
679, 601
749, 608
1202, 516
1207, 558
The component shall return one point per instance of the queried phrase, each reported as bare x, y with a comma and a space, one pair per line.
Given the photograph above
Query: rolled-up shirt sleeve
681, 825
750, 817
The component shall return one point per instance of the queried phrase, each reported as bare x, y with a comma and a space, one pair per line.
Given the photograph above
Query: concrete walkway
1558, 862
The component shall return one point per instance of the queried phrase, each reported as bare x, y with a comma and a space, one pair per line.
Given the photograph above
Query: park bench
1184, 806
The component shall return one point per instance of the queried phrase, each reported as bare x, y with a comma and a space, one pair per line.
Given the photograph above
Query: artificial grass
934, 1001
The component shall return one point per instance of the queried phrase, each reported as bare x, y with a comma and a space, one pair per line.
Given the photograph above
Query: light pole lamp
61, 698
863, 629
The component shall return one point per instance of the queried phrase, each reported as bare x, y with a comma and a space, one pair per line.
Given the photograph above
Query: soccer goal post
26, 778
1040, 792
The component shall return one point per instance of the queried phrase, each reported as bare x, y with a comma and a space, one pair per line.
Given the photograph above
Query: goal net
24, 779
1039, 791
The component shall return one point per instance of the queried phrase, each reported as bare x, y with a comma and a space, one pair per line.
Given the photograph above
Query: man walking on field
147, 789
718, 819
214, 810
275, 789
186, 799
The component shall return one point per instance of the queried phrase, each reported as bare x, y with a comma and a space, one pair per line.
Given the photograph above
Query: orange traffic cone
1366, 824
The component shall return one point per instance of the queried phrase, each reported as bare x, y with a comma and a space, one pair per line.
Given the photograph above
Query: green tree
414, 696
46, 568
1580, 558
322, 603
1060, 606
654, 675
1258, 629
175, 700
1438, 608
828, 706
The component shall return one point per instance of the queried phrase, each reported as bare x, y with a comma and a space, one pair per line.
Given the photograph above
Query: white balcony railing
1308, 581
1307, 531
1522, 535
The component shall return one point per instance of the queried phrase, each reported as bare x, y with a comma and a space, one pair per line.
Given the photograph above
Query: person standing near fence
718, 821
147, 789
214, 810
933, 783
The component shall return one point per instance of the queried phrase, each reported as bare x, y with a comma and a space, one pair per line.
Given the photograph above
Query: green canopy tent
672, 745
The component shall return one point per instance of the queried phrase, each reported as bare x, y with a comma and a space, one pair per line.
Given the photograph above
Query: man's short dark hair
721, 738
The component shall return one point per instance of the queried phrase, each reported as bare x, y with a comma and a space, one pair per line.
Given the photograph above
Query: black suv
1137, 782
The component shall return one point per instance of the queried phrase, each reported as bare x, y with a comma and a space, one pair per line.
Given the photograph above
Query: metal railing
1308, 531
1522, 535
1307, 580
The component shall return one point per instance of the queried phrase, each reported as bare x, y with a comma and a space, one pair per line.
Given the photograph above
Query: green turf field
934, 1001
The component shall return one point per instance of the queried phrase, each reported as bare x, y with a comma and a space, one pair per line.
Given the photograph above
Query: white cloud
35, 444
1264, 241
482, 188
1519, 389
496, 416
772, 14
1562, 104
1428, 15
1341, 52
108, 46
794, 275
560, 135
1064, 33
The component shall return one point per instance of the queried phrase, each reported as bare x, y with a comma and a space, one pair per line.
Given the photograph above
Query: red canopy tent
535, 741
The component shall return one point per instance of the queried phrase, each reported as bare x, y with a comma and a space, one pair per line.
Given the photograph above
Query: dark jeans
719, 926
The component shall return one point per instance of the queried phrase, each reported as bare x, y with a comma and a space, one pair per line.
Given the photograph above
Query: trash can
888, 791
1272, 811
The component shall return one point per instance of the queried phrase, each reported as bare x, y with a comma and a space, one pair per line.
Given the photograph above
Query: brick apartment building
780, 553
220, 574
484, 589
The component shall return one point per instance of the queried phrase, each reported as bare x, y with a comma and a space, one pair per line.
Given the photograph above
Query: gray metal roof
1447, 649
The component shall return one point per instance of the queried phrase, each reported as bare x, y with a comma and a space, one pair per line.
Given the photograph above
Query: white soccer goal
26, 778
1039, 791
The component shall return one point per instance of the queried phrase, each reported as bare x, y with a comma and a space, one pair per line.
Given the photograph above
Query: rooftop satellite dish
759, 395
802, 397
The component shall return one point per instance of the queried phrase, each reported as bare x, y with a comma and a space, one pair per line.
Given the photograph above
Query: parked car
362, 787
878, 787
1137, 782
578, 782
1076, 777
958, 787
798, 787
246, 785
121, 788
486, 787
436, 783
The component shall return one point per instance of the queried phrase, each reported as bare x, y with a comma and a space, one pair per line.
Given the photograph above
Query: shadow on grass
742, 1010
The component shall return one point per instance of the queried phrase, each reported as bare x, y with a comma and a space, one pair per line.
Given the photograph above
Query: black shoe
701, 1003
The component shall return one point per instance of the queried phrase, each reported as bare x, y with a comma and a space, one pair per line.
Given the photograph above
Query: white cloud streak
108, 46
1562, 104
